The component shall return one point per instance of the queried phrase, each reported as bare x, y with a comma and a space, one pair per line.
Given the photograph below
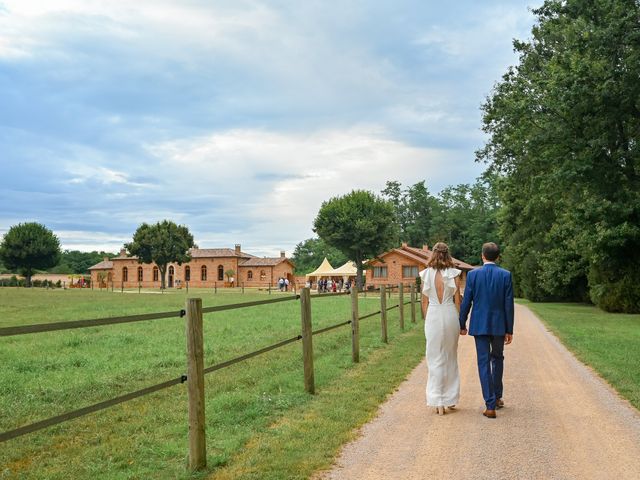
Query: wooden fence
194, 377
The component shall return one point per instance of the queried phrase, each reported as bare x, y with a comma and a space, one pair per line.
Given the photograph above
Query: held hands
463, 331
508, 338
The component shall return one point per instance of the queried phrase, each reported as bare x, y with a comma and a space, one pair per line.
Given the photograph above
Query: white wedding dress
442, 330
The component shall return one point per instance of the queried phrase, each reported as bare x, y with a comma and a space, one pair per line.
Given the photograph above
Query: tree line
28, 248
464, 216
564, 131
561, 192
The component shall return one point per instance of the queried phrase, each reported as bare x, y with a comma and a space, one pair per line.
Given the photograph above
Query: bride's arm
456, 296
424, 304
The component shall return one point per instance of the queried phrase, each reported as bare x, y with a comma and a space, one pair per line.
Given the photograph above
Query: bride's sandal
451, 407
440, 410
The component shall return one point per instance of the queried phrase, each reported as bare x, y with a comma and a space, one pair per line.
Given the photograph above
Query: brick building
206, 268
401, 265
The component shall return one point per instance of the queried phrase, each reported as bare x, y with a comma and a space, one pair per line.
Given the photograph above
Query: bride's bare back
439, 284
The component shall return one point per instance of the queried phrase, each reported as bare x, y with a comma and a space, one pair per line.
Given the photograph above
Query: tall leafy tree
27, 247
359, 224
465, 218
310, 253
75, 261
564, 128
414, 208
161, 243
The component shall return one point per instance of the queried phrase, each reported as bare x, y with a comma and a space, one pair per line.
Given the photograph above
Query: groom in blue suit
490, 290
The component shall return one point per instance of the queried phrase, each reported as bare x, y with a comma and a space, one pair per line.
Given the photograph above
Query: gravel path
560, 421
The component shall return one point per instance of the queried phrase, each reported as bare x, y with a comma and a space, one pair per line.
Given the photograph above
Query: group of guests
283, 284
326, 285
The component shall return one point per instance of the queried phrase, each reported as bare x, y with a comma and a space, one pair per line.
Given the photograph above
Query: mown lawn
608, 342
260, 422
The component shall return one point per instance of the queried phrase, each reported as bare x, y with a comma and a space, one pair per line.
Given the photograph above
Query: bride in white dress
440, 306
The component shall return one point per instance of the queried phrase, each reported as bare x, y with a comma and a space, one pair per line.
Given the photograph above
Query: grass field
260, 422
608, 342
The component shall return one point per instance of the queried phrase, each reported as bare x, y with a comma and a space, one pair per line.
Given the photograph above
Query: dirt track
560, 422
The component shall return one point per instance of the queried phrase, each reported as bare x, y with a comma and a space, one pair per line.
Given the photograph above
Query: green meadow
260, 422
608, 342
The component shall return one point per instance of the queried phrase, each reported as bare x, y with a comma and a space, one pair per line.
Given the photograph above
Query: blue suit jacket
490, 290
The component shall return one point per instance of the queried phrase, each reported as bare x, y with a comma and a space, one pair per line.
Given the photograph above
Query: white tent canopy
347, 270
324, 270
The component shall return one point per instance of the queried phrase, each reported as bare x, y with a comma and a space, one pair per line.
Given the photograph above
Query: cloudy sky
236, 118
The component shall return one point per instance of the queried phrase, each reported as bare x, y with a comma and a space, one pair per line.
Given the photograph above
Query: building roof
263, 262
250, 260
348, 269
103, 265
422, 255
218, 252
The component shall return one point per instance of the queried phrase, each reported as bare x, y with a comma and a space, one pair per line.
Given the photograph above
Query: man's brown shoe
489, 413
499, 403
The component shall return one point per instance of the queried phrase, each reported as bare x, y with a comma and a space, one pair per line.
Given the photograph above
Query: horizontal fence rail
49, 422
42, 424
96, 322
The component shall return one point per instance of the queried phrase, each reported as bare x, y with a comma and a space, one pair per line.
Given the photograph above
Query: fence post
383, 314
195, 384
139, 286
401, 303
307, 342
242, 287
269, 288
413, 303
215, 287
390, 290
355, 326
187, 284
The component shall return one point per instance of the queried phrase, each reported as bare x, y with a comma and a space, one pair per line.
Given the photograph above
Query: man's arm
467, 300
509, 307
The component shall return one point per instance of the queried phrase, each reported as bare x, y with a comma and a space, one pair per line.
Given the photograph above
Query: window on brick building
220, 272
203, 273
379, 272
125, 274
140, 274
156, 274
250, 275
409, 271
187, 274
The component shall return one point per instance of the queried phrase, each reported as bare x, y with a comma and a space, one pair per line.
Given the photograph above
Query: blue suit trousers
490, 351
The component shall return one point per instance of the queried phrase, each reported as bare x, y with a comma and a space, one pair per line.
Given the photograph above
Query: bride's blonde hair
440, 257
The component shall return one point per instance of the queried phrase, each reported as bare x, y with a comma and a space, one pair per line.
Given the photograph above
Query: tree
75, 261
229, 273
414, 209
359, 224
161, 243
308, 255
29, 246
564, 128
466, 217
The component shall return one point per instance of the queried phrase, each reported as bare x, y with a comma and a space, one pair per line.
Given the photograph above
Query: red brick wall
394, 263
272, 274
